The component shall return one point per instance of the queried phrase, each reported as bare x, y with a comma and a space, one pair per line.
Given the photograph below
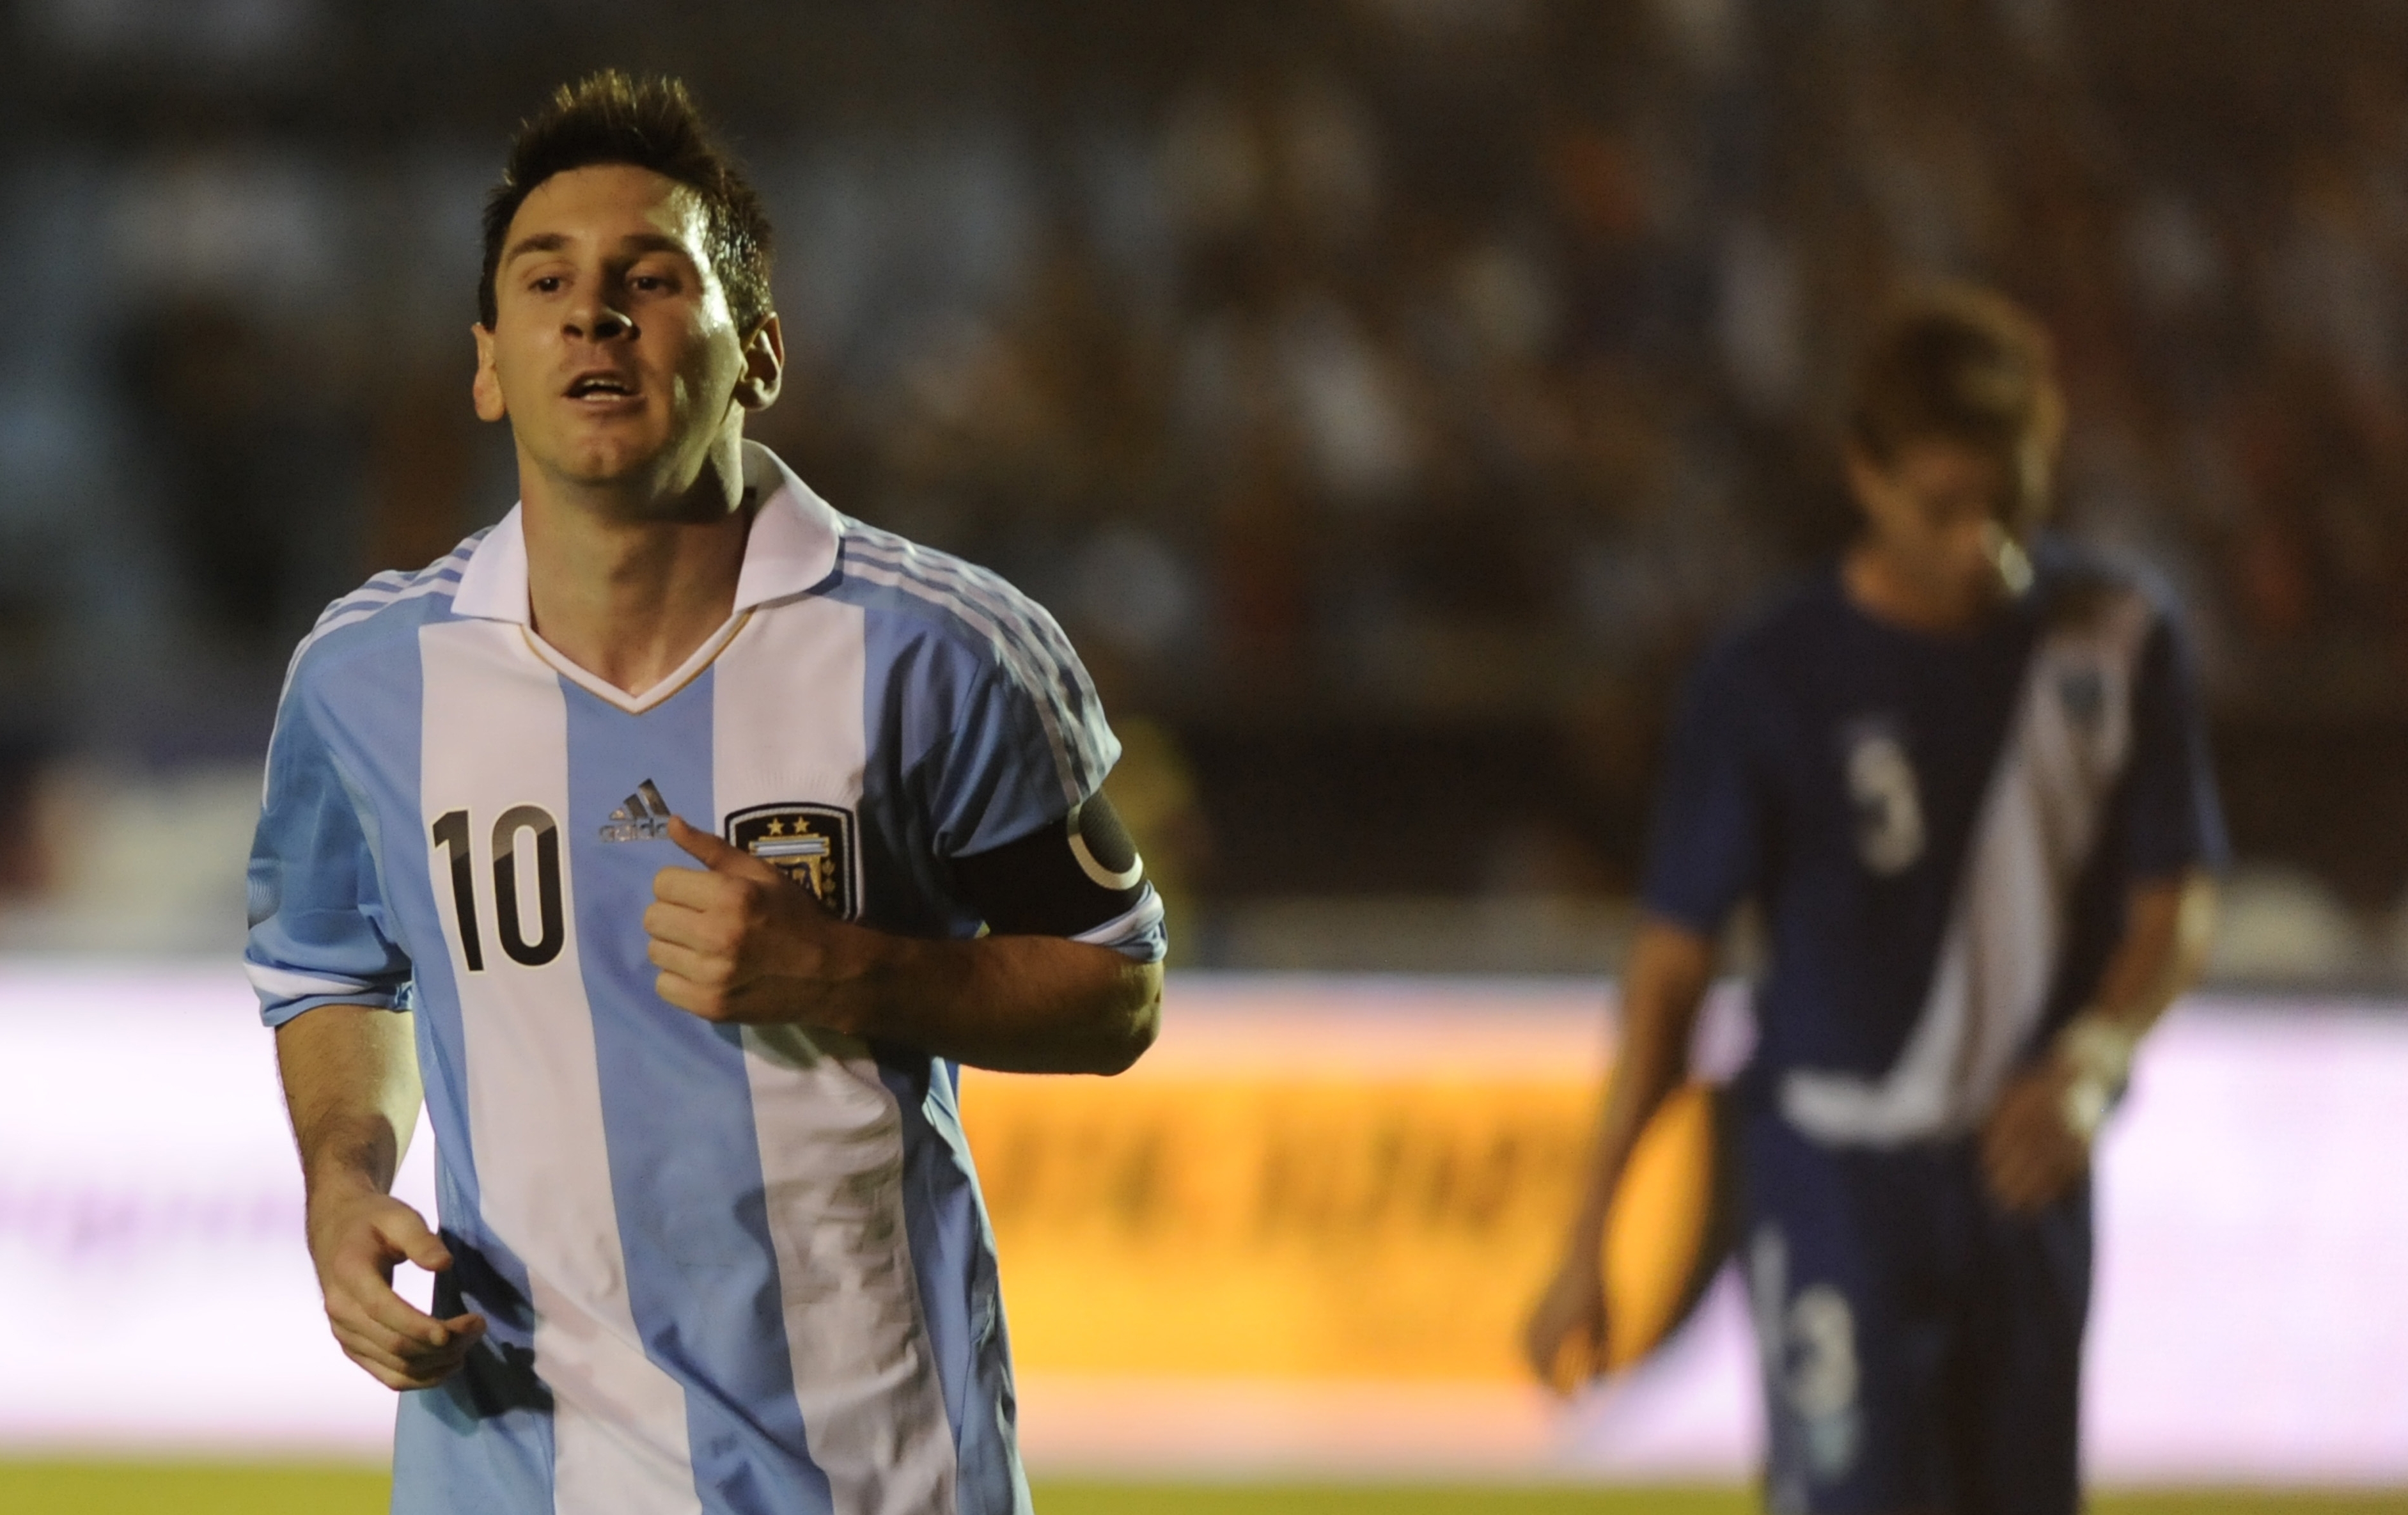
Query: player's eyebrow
536, 242
633, 242
654, 242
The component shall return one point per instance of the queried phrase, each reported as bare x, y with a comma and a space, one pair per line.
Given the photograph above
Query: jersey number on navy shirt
1887, 800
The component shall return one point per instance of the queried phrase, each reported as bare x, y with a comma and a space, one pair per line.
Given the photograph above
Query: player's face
613, 352
1938, 514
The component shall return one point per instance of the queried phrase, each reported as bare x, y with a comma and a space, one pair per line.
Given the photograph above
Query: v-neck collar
790, 549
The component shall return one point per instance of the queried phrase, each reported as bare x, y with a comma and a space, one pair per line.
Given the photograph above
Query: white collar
790, 549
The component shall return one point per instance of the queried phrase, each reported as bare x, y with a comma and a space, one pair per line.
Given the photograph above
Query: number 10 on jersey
452, 835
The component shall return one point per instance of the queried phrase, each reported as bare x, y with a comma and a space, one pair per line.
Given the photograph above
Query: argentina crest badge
812, 844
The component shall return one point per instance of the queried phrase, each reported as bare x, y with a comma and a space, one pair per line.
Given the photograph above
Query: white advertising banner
2249, 1326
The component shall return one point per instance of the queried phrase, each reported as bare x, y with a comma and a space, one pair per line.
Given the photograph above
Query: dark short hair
1963, 364
609, 118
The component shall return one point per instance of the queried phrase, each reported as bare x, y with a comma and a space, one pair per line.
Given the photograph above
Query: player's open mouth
600, 388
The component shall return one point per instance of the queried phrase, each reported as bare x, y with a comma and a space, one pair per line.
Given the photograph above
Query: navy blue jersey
1941, 831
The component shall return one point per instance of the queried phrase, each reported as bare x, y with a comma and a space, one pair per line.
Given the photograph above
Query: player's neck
627, 589
1888, 592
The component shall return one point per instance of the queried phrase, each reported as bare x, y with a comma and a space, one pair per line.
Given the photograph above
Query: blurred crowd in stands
1396, 391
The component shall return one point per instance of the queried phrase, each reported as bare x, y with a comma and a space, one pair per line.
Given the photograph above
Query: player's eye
545, 283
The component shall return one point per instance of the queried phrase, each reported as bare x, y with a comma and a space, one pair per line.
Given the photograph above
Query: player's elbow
1132, 1020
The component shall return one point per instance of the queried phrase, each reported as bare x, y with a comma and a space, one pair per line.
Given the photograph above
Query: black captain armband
1066, 877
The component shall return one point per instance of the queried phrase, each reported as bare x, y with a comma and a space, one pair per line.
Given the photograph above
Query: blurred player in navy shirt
1962, 774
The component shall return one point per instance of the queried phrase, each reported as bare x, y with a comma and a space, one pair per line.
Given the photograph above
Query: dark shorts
1922, 1352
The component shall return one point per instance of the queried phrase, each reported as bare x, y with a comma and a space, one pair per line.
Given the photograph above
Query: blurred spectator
1409, 366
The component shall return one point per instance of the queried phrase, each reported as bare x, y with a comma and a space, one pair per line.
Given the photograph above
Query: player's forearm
351, 1088
2167, 928
2166, 934
1662, 987
1014, 1003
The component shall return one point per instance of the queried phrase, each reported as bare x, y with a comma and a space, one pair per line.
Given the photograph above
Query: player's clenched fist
738, 940
355, 1242
1565, 1338
2032, 1152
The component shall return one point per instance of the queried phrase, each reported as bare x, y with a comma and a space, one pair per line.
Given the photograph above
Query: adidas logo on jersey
644, 817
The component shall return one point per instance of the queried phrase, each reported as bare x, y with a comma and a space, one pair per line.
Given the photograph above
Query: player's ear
1868, 477
764, 366
486, 388
2032, 469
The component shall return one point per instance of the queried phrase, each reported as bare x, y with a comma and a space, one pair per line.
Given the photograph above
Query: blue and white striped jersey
739, 1270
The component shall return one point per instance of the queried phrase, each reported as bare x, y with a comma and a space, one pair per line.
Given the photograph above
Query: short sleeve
316, 903
1706, 847
1021, 740
2173, 820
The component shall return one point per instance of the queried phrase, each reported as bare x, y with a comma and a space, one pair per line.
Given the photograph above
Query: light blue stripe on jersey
952, 1242
701, 1277
1025, 638
981, 697
440, 577
483, 1438
486, 1434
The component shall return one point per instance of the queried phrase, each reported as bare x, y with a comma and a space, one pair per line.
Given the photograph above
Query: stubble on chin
667, 482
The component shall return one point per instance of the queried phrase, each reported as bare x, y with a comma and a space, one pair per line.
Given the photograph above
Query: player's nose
597, 323
1969, 537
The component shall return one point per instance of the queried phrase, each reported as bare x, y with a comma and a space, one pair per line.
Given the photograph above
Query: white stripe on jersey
286, 984
1128, 924
494, 735
1045, 643
830, 1135
385, 589
2006, 931
1045, 692
978, 586
359, 607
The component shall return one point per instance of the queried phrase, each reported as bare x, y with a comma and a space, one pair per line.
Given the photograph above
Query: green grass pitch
63, 1487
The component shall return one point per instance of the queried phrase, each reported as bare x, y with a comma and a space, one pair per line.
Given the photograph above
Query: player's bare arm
737, 941
1665, 983
2036, 1144
351, 1084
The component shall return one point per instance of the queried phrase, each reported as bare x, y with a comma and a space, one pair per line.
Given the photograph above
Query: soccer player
654, 832
1961, 770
